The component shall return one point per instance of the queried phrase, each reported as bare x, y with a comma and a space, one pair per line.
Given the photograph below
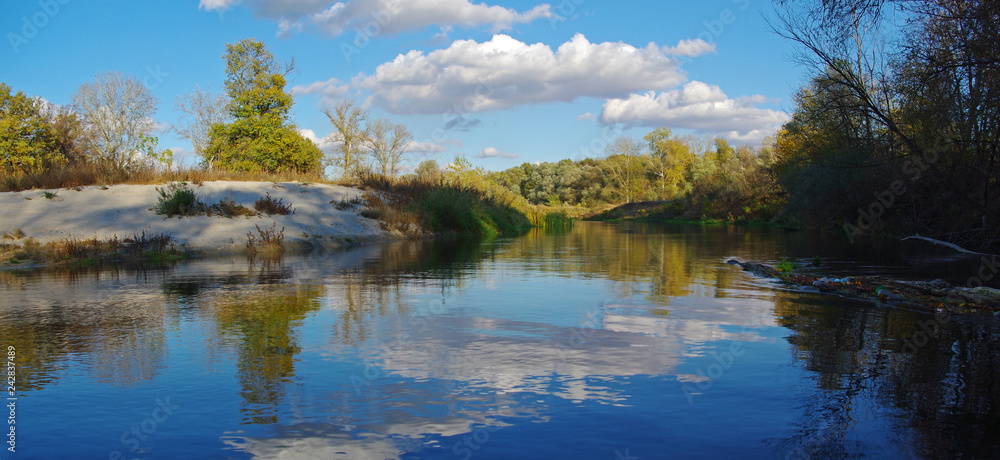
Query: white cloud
376, 17
690, 48
425, 148
216, 4
311, 135
330, 91
469, 77
696, 106
492, 152
586, 116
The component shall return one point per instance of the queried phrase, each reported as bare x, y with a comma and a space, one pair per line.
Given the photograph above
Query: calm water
611, 341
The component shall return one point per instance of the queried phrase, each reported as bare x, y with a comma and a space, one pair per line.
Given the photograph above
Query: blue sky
501, 82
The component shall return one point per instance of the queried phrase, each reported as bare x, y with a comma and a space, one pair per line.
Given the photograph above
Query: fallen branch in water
934, 295
945, 244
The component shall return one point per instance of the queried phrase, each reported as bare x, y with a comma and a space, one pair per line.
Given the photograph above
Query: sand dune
124, 210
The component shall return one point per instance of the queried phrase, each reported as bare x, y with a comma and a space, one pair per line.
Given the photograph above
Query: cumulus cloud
383, 16
425, 148
586, 116
690, 48
492, 152
311, 135
469, 77
329, 91
696, 106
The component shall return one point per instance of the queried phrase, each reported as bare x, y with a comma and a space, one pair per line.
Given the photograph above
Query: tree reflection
940, 373
264, 320
52, 317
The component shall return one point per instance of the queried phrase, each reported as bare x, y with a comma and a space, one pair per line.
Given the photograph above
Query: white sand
124, 210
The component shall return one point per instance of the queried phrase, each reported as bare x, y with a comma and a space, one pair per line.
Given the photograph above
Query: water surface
608, 341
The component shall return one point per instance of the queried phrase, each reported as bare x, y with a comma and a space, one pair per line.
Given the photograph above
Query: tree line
895, 133
108, 128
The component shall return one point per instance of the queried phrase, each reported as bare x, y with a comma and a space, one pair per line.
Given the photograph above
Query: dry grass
90, 251
266, 242
269, 205
80, 175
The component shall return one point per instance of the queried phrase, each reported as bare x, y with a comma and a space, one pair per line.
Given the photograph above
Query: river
610, 340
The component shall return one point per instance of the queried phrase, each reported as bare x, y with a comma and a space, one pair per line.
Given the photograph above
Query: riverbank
932, 296
322, 216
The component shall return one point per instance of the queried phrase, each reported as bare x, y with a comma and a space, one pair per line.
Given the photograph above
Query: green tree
260, 137
625, 166
28, 142
671, 159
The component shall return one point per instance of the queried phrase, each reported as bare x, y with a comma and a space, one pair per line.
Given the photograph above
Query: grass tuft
267, 241
784, 267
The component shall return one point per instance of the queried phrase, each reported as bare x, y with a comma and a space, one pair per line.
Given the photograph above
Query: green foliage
262, 145
478, 208
148, 146
784, 267
49, 195
453, 209
557, 220
671, 159
28, 141
260, 138
177, 199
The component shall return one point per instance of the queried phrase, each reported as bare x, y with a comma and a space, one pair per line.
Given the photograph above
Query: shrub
229, 208
178, 199
269, 205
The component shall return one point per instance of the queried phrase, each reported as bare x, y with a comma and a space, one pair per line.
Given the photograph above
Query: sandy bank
124, 210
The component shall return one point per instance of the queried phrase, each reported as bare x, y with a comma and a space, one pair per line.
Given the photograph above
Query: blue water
616, 341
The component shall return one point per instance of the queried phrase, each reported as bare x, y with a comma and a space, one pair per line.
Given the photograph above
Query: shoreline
323, 216
928, 296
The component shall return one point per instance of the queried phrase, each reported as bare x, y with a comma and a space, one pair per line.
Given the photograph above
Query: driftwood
935, 295
761, 270
945, 244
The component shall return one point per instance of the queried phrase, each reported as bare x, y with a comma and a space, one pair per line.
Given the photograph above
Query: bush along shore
935, 296
101, 225
178, 220
141, 248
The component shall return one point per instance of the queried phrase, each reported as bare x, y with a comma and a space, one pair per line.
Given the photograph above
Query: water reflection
939, 375
408, 348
